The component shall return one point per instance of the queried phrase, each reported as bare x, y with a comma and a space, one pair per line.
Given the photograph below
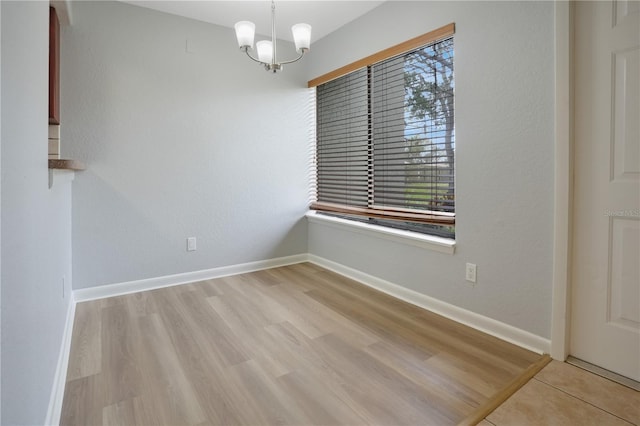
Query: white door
605, 319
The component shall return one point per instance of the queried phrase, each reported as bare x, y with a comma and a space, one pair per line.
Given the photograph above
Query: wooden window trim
432, 217
54, 67
416, 42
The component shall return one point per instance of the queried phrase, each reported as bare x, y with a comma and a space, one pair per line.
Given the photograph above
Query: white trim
82, 295
487, 325
60, 377
479, 322
110, 290
563, 191
62, 176
430, 242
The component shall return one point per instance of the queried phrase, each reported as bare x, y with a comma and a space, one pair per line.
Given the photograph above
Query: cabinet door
54, 67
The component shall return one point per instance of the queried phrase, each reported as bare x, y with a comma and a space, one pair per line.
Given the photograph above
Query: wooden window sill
425, 241
66, 165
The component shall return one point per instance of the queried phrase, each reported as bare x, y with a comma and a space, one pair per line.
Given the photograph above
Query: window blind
413, 130
386, 142
344, 132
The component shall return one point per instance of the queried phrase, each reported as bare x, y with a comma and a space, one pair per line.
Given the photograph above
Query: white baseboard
60, 376
82, 295
110, 290
487, 325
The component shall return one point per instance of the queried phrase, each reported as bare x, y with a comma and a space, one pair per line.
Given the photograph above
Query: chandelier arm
246, 50
294, 60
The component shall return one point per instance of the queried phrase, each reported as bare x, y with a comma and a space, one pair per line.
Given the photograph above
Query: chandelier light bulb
301, 36
265, 51
245, 31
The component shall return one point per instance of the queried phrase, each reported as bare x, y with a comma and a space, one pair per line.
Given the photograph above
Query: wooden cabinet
54, 67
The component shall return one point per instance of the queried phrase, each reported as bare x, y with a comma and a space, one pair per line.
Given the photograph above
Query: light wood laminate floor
296, 345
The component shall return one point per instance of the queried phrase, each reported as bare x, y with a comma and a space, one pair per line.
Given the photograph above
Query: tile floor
562, 394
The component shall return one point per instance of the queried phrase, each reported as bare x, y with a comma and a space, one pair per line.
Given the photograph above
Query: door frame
563, 182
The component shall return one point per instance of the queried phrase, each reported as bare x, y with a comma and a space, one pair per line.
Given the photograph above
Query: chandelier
246, 30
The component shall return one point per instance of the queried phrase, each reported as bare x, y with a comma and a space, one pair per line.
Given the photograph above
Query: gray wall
171, 154
202, 143
36, 221
504, 73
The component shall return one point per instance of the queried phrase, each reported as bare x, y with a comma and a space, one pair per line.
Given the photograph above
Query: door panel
626, 121
605, 319
623, 289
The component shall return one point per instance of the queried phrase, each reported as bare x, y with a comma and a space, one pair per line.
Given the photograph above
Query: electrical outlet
191, 244
471, 272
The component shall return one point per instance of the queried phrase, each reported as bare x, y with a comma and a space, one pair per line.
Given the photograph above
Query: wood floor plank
82, 404
304, 358
424, 374
325, 319
255, 341
456, 368
164, 375
266, 398
121, 377
85, 357
389, 398
321, 405
141, 304
202, 361
120, 413
267, 299
290, 345
239, 293
221, 339
410, 323
425, 336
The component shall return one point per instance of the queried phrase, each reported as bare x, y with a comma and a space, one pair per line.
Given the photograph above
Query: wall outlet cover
471, 272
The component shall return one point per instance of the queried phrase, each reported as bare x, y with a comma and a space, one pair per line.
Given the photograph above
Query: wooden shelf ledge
66, 165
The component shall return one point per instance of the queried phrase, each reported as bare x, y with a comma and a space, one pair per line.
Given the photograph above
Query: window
385, 149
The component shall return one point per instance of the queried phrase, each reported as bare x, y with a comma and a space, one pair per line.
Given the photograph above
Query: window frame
388, 213
431, 37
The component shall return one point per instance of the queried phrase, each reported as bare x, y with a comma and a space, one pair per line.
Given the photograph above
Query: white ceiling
324, 16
